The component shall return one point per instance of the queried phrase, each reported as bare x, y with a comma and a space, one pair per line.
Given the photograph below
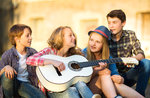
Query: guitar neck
96, 62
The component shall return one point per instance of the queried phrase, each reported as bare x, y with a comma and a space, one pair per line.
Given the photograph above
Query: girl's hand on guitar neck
100, 69
101, 66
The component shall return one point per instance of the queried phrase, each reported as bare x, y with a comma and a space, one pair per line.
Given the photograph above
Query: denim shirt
10, 57
112, 67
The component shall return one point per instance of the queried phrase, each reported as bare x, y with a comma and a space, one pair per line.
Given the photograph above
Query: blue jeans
80, 89
140, 75
14, 87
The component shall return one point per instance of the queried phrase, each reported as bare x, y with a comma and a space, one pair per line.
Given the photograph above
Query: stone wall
82, 15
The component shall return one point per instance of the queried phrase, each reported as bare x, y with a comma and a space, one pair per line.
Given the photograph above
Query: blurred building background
43, 16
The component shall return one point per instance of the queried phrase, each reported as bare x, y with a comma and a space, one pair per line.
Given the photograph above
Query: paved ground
148, 91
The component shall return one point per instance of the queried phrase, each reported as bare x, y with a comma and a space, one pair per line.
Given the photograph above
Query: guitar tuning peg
130, 66
133, 66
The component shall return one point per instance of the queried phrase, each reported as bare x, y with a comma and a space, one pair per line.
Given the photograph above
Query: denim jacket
10, 57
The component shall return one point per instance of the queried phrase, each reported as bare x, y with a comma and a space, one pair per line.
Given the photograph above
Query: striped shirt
127, 46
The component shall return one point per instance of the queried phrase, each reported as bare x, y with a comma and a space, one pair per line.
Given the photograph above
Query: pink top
36, 60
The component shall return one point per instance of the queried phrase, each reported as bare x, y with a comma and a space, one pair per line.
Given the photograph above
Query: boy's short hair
117, 13
16, 31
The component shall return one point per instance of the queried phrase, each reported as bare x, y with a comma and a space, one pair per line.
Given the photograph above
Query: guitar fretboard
96, 62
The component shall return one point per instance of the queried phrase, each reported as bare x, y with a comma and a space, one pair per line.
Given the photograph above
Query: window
143, 27
38, 33
146, 26
37, 27
85, 26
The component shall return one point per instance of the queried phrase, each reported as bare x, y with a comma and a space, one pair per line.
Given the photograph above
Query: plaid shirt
127, 46
36, 60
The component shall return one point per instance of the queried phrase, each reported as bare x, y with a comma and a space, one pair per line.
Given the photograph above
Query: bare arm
58, 64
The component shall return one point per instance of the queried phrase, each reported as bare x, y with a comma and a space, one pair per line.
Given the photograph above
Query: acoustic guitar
77, 68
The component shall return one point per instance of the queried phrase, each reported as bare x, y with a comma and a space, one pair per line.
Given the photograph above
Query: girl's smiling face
68, 38
95, 42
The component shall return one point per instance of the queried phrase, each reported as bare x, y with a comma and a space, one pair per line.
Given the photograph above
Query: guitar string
96, 62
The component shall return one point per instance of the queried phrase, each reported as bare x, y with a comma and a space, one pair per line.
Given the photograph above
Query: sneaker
96, 96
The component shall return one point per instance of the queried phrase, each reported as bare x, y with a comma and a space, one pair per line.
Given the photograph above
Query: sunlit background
43, 16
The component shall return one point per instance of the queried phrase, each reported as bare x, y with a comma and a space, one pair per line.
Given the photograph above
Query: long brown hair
56, 40
104, 52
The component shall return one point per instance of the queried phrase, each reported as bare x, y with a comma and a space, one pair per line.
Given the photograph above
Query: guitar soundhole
74, 66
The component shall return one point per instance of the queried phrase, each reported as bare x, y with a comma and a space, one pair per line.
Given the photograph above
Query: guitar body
53, 81
76, 69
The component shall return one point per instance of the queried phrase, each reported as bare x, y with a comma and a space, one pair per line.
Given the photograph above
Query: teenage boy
18, 78
124, 43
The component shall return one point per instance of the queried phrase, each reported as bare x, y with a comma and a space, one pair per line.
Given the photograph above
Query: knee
72, 89
80, 84
4, 78
104, 72
145, 63
6, 81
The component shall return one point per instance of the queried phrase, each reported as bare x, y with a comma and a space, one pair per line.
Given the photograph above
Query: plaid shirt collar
16, 54
124, 33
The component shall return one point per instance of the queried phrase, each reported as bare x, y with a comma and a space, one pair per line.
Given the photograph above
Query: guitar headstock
130, 62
